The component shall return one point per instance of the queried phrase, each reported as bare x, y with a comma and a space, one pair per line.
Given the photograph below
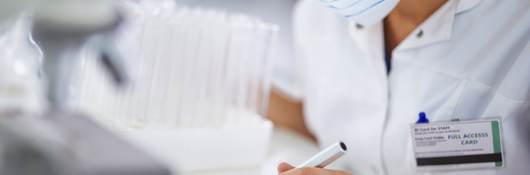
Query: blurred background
145, 87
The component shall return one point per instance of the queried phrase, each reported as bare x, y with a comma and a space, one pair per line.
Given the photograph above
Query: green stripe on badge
495, 129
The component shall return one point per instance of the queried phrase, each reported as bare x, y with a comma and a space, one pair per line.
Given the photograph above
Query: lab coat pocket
477, 101
473, 100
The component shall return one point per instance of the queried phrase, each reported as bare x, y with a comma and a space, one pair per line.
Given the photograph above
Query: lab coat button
419, 34
359, 26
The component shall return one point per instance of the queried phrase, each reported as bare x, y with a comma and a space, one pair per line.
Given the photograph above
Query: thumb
283, 167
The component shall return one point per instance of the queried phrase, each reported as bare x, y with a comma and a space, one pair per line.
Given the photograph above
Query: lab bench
285, 145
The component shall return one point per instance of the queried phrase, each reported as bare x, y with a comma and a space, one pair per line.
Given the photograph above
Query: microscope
60, 141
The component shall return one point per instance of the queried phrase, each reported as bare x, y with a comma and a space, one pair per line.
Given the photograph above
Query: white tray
206, 149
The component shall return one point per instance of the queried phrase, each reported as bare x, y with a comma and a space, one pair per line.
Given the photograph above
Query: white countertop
285, 145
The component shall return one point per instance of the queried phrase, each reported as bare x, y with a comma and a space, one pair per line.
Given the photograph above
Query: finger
315, 171
307, 171
283, 167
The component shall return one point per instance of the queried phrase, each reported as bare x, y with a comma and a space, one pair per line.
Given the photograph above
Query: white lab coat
470, 60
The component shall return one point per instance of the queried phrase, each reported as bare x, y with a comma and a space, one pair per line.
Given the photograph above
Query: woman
368, 67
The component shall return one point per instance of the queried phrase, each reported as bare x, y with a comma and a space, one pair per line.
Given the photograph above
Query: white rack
200, 82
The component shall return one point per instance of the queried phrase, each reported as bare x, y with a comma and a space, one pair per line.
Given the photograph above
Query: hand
286, 169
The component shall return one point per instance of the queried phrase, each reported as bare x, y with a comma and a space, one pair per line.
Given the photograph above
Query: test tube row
190, 67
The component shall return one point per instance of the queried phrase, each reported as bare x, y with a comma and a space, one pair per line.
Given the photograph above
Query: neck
417, 11
405, 18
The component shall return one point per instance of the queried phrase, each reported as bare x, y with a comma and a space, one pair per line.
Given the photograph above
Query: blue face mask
363, 12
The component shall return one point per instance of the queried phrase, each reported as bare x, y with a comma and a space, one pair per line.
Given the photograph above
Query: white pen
326, 156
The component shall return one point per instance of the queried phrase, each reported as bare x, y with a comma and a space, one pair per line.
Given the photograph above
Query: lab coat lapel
435, 30
439, 27
371, 42
371, 39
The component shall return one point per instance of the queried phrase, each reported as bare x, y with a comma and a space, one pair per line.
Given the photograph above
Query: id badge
458, 145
